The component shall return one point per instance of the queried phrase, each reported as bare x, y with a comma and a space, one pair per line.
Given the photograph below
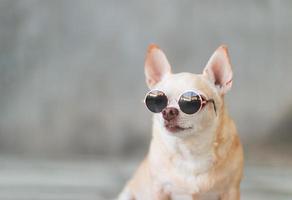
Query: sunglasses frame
203, 99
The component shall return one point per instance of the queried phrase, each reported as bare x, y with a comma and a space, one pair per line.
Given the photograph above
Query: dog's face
212, 84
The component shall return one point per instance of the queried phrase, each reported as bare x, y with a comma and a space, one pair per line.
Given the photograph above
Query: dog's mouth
174, 127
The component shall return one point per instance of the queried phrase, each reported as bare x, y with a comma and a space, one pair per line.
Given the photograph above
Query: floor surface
98, 179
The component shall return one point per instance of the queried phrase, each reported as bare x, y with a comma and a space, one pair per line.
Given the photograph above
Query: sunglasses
190, 102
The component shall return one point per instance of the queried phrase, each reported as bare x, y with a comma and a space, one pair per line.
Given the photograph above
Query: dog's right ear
156, 65
218, 70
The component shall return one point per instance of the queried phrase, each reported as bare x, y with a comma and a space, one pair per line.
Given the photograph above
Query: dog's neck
195, 152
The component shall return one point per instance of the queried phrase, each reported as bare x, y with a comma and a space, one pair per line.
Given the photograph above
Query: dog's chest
206, 196
185, 175
189, 176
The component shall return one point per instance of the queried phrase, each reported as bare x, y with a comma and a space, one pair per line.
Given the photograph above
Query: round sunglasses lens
190, 102
156, 101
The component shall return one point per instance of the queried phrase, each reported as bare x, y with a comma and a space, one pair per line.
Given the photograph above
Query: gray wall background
71, 72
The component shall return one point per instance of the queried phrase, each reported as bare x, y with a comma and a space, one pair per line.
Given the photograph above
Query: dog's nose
169, 113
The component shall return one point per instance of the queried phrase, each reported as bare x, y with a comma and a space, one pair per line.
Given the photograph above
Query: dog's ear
156, 65
218, 70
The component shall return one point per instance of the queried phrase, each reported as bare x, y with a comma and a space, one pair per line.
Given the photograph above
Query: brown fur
161, 177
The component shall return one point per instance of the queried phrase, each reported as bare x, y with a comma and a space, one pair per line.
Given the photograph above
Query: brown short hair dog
195, 149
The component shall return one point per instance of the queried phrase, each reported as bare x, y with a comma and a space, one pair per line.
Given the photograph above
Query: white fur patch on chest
189, 176
181, 166
207, 196
185, 173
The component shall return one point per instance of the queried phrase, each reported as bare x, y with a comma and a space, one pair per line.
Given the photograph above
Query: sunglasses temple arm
212, 100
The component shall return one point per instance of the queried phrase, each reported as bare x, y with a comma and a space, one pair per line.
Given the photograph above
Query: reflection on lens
156, 101
190, 102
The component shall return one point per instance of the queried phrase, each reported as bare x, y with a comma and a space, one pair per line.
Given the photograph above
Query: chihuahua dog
195, 150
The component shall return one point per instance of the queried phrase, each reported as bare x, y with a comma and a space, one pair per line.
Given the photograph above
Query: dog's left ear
218, 70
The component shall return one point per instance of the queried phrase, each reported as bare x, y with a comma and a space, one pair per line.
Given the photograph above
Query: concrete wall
71, 72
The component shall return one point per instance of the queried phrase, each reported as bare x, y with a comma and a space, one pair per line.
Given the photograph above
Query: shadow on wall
281, 134
276, 148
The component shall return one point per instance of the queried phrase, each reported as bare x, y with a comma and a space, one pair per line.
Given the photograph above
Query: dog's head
211, 86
